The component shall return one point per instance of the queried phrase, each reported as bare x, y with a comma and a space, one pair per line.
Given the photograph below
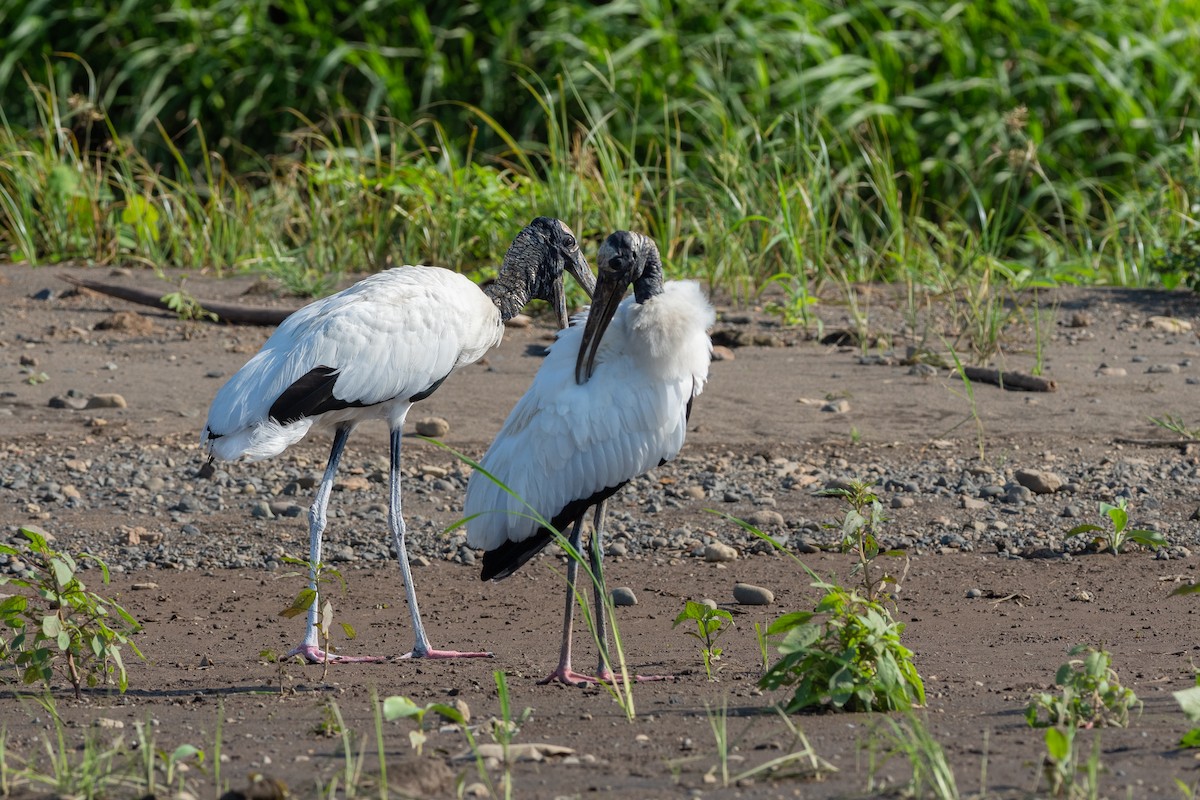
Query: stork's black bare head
625, 258
533, 269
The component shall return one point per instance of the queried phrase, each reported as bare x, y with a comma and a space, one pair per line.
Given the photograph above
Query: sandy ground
981, 657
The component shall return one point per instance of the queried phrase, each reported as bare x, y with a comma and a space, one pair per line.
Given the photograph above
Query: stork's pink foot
568, 676
447, 654
315, 655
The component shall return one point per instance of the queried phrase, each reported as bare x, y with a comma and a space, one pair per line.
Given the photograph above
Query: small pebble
433, 427
973, 594
1038, 481
624, 596
719, 552
750, 595
106, 401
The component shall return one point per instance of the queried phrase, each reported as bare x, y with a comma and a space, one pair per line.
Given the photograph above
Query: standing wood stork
610, 402
370, 352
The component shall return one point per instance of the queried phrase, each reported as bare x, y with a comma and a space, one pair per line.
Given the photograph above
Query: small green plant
1177, 426
1065, 776
65, 626
1116, 537
761, 638
1092, 694
932, 775
399, 707
186, 306
844, 655
859, 529
1189, 702
800, 758
710, 624
309, 596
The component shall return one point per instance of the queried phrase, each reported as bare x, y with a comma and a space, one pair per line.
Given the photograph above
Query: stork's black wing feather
508, 557
310, 395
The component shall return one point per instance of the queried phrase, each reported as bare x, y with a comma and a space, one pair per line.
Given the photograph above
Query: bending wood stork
610, 402
370, 352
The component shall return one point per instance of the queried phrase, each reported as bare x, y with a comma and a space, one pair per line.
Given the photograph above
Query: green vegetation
1116, 537
710, 624
1092, 694
309, 596
808, 147
845, 654
58, 624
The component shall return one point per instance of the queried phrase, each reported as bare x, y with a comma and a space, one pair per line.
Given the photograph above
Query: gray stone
434, 427
262, 510
974, 594
1038, 481
73, 403
693, 492
839, 406
766, 519
900, 501
624, 596
720, 552
749, 595
709, 602
106, 401
1163, 369
617, 549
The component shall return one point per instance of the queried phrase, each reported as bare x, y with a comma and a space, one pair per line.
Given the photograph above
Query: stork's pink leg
396, 523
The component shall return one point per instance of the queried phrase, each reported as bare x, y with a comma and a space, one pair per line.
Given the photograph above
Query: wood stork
610, 402
370, 352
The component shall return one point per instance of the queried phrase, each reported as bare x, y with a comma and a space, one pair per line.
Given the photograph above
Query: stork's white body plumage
370, 352
565, 442
387, 338
610, 402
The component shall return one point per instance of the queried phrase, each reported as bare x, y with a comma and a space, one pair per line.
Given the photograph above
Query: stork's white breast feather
565, 442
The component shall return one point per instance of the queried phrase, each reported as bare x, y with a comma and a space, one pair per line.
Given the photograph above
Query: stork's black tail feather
508, 557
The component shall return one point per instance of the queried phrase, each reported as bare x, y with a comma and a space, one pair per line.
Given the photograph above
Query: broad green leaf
1190, 739
397, 707
1057, 744
51, 626
64, 641
349, 631
186, 751
1151, 539
301, 604
1085, 528
1189, 701
448, 712
1191, 588
62, 571
18, 603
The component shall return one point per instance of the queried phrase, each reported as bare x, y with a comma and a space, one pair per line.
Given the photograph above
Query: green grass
939, 147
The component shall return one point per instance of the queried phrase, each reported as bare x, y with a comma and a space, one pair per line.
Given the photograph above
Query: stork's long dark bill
582, 273
604, 306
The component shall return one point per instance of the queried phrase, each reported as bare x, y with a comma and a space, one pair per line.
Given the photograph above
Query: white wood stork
370, 352
610, 402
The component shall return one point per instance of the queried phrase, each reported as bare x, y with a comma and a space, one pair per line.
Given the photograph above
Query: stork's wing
393, 335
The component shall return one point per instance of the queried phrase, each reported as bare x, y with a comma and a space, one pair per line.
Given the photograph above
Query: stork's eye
569, 240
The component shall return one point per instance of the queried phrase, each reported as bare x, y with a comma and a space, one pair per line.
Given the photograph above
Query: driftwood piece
1014, 381
227, 313
1180, 443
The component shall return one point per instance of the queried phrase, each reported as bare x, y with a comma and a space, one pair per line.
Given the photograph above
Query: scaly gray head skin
625, 258
533, 269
